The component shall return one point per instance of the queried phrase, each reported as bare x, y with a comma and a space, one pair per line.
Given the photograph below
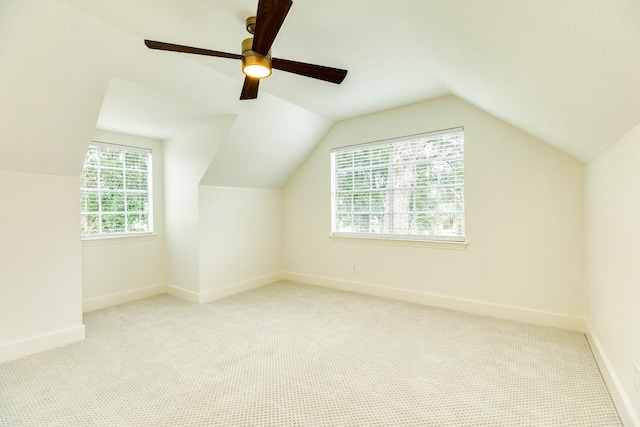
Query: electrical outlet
636, 381
354, 268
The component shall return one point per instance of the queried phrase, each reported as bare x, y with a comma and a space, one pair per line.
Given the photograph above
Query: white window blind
405, 188
116, 190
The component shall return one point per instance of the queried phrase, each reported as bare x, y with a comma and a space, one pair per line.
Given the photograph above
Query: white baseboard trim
620, 398
183, 294
470, 306
222, 292
121, 298
32, 345
236, 288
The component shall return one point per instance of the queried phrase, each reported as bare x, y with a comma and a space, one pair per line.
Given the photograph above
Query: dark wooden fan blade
187, 49
269, 19
250, 88
328, 74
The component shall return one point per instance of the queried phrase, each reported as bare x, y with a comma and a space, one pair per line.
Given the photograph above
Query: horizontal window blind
410, 187
116, 190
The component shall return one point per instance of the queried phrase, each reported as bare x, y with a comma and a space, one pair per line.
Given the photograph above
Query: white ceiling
566, 71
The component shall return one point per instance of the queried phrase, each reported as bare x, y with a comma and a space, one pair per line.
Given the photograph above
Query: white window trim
392, 240
431, 134
448, 242
109, 238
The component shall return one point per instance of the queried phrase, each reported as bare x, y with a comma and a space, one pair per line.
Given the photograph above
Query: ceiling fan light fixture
256, 66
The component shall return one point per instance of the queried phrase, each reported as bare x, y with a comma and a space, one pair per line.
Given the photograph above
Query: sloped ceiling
64, 72
136, 109
566, 71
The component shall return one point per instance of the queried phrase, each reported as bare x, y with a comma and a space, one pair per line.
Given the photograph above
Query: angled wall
612, 268
220, 240
186, 158
57, 65
49, 102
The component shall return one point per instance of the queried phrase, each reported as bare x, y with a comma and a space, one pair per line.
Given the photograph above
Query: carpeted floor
289, 354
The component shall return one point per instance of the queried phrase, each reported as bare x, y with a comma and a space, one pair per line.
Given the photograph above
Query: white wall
186, 158
524, 222
124, 269
612, 267
40, 280
61, 63
240, 239
49, 102
220, 240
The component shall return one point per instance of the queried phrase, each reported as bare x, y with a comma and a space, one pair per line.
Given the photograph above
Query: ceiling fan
256, 51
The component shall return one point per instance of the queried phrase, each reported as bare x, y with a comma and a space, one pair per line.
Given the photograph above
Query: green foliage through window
409, 187
115, 190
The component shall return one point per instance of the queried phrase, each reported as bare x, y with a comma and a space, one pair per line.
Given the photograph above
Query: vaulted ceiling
565, 71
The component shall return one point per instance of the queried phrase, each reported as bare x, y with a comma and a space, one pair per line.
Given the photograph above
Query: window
116, 191
404, 188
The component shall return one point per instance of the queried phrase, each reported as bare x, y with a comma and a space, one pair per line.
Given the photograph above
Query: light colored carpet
289, 354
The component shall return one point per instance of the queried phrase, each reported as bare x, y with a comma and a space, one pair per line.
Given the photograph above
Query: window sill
110, 240
436, 244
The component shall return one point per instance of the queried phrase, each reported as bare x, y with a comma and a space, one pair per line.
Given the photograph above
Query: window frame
439, 238
148, 192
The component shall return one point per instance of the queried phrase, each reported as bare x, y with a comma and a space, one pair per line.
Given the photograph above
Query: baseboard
222, 292
620, 398
236, 288
183, 294
470, 306
28, 346
122, 297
